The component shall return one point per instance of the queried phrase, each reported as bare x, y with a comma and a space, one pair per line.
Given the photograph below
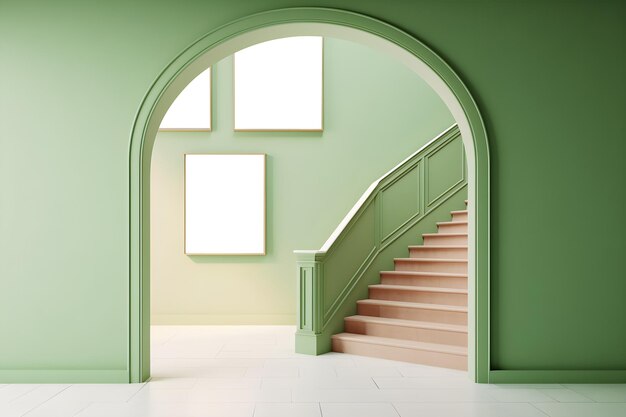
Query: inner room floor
251, 371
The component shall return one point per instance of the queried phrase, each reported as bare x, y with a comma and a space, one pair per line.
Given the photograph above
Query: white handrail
340, 228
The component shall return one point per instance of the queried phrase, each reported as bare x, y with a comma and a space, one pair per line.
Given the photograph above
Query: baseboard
557, 377
36, 376
234, 319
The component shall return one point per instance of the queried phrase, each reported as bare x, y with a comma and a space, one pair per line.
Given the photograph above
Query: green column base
310, 343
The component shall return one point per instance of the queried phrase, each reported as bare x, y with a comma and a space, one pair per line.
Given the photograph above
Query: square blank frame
191, 111
225, 204
279, 85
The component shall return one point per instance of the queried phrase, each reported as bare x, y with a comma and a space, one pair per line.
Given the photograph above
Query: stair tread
444, 234
430, 260
410, 323
453, 222
402, 343
418, 288
406, 304
438, 246
425, 274
459, 211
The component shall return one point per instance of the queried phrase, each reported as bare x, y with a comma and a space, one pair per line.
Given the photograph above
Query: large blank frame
279, 85
225, 204
191, 111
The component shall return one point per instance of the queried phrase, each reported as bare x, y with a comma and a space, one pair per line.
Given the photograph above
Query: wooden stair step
436, 239
421, 331
438, 252
419, 289
452, 227
447, 356
459, 215
439, 313
415, 294
410, 323
434, 279
431, 265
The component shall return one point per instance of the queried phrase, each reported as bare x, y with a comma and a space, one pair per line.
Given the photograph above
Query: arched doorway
281, 23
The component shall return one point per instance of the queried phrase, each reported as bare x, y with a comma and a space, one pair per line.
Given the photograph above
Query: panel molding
427, 201
557, 376
70, 376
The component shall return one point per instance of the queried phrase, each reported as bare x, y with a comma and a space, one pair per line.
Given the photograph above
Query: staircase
418, 313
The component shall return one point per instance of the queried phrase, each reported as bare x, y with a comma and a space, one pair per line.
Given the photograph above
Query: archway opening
307, 22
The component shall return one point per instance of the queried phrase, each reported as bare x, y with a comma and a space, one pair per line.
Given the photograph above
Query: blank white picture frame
191, 111
225, 204
278, 85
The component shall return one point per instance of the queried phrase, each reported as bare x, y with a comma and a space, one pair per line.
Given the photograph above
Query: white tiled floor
251, 371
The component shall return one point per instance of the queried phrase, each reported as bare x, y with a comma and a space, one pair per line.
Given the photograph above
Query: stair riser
444, 360
424, 281
418, 297
445, 240
459, 217
406, 333
437, 253
452, 228
394, 312
425, 266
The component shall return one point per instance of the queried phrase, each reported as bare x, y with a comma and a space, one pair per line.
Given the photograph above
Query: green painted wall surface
376, 113
547, 75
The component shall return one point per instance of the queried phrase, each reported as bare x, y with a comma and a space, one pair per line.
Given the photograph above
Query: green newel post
309, 302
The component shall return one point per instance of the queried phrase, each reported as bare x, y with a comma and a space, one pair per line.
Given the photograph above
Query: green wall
376, 113
548, 77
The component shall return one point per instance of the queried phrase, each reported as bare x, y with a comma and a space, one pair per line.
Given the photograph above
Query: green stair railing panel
391, 215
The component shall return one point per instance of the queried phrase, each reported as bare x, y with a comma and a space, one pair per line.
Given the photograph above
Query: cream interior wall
376, 112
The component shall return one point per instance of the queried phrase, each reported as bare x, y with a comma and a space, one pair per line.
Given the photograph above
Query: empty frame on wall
279, 85
191, 111
225, 204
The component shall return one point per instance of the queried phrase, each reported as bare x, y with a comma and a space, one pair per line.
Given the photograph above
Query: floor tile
520, 396
13, 391
173, 382
100, 392
320, 383
58, 407
273, 372
167, 410
583, 410
358, 410
321, 371
565, 395
287, 410
606, 393
155, 394
433, 382
229, 383
369, 371
31, 400
468, 410
453, 395
241, 395
421, 371
306, 395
